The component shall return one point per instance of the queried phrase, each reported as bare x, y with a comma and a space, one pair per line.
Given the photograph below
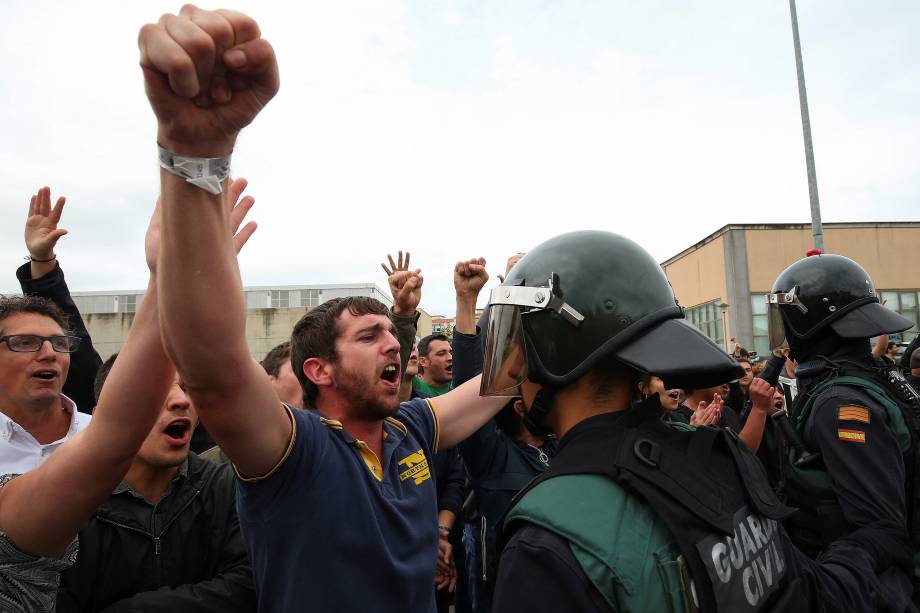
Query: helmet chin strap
536, 419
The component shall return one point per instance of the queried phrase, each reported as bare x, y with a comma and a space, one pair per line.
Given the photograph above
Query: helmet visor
505, 360
776, 329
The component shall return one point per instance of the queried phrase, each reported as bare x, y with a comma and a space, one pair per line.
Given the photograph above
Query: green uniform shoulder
625, 550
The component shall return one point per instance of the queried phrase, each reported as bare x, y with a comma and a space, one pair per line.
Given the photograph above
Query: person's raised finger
44, 201
55, 235
236, 189
243, 236
197, 43
239, 212
32, 205
393, 265
406, 262
58, 210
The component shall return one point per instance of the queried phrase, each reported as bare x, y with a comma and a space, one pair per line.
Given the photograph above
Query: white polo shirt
20, 452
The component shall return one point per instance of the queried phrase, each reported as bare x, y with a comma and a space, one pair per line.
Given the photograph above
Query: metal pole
817, 230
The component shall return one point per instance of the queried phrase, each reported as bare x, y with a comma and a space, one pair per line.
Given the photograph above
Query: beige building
270, 316
721, 280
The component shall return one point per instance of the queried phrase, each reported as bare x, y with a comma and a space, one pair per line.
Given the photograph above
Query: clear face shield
776, 328
505, 361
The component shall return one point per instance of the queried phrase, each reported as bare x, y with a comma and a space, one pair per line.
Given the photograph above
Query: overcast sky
462, 129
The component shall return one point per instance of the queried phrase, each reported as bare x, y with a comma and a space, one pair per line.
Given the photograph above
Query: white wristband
206, 173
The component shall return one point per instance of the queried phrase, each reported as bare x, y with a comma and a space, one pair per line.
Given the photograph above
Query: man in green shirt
436, 366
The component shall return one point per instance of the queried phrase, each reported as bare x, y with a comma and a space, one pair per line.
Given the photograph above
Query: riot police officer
852, 411
633, 513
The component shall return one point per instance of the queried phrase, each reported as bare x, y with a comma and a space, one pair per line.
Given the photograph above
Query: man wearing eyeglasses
35, 417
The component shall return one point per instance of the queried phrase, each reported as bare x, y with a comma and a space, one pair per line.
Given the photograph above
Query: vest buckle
652, 457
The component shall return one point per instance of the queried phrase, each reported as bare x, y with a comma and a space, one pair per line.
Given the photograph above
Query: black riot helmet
823, 292
584, 296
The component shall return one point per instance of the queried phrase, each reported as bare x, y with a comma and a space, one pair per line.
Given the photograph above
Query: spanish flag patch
853, 413
851, 436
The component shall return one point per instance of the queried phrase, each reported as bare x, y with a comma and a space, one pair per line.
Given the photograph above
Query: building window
759, 319
904, 302
280, 299
708, 318
126, 303
310, 298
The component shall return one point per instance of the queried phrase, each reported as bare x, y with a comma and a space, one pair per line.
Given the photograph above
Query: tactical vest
820, 519
493, 497
699, 498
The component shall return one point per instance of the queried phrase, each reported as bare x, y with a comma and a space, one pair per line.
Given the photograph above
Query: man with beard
337, 505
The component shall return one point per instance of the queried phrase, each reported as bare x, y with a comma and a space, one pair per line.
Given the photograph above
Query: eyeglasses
33, 342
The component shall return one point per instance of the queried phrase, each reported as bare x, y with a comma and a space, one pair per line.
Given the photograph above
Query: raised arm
43, 276
207, 76
406, 288
470, 277
462, 411
42, 510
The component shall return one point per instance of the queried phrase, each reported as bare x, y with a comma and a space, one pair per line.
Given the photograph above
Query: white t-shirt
20, 452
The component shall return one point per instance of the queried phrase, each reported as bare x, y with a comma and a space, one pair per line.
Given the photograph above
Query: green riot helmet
584, 296
827, 291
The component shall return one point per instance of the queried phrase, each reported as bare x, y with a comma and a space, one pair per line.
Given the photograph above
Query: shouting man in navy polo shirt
338, 504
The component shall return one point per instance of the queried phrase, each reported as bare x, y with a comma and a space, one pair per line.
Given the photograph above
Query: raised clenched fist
207, 75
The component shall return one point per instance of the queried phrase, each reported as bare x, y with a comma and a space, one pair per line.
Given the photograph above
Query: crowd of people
577, 447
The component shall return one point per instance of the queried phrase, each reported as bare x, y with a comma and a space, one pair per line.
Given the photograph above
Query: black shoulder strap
695, 481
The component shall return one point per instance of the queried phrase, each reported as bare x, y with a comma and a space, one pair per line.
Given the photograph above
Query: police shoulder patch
853, 413
851, 436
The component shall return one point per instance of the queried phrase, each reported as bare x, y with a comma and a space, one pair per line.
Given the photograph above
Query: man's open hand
207, 75
42, 232
708, 414
405, 285
240, 208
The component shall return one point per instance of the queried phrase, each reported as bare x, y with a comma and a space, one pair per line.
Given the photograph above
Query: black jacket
183, 555
84, 362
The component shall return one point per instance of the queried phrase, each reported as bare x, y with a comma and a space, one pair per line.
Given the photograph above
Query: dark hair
915, 359
13, 305
315, 334
101, 375
424, 345
274, 359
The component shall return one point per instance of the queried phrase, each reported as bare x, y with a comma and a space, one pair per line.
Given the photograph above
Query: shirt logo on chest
416, 467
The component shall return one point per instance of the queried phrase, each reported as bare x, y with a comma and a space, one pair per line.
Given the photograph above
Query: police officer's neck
584, 398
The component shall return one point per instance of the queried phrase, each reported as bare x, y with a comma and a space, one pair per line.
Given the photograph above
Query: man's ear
318, 371
519, 407
423, 361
